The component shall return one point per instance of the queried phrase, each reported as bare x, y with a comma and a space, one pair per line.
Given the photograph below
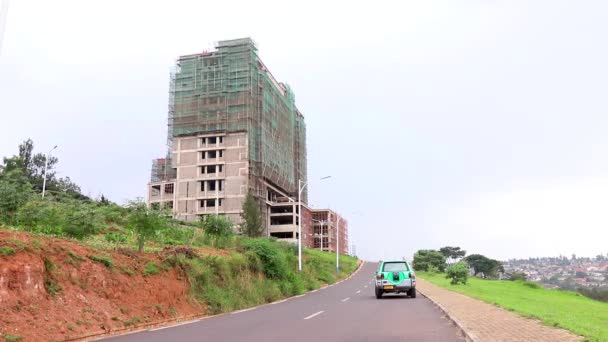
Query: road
347, 311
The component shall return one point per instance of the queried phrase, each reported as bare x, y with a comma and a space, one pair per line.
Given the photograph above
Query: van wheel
412, 293
378, 293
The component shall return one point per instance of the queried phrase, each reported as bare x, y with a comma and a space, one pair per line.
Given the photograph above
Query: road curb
468, 335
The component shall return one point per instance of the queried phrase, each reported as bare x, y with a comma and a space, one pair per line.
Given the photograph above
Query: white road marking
314, 315
365, 286
345, 299
313, 291
279, 302
244, 310
302, 295
359, 291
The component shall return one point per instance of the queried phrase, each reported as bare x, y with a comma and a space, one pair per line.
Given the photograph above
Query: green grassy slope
565, 309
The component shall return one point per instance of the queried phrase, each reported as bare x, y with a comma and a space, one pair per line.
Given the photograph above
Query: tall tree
484, 265
33, 165
425, 258
252, 217
452, 252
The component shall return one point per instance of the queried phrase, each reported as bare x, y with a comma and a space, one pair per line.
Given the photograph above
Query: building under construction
232, 129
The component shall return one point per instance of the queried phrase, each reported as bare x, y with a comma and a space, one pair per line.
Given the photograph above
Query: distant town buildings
233, 129
562, 272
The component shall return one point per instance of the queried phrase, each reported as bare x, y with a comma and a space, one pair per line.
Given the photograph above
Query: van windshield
396, 267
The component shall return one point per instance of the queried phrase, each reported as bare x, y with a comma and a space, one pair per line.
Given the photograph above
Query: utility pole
46, 164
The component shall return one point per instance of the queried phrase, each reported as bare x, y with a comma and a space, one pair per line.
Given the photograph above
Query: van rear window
395, 267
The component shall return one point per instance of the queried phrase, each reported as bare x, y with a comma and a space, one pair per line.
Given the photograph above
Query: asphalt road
348, 311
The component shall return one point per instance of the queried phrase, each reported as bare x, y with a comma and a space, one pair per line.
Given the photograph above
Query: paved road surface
348, 311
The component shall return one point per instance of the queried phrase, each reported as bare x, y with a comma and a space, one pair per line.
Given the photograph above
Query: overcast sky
482, 124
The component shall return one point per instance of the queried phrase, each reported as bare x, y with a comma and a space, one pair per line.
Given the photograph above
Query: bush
41, 216
116, 237
458, 273
274, 261
145, 222
81, 221
216, 226
519, 276
15, 191
176, 236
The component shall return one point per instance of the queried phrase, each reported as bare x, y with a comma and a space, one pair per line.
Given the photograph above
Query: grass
106, 261
132, 321
564, 309
12, 338
50, 282
262, 271
6, 251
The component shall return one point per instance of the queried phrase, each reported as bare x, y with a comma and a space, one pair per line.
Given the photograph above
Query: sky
480, 124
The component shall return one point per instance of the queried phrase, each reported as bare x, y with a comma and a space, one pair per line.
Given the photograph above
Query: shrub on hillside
216, 225
458, 273
81, 221
519, 276
116, 237
272, 256
15, 191
145, 222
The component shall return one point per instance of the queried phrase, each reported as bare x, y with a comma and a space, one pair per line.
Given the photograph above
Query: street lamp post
46, 164
300, 188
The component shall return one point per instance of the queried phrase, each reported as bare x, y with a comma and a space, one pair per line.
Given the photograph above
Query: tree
145, 222
458, 273
33, 165
252, 217
484, 265
452, 252
425, 258
104, 200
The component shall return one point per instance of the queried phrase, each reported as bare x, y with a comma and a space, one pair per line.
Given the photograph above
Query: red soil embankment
50, 289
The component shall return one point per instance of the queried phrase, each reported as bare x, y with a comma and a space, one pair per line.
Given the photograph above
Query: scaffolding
230, 89
162, 170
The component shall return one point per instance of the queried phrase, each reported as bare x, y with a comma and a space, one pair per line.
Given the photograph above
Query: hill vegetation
77, 266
